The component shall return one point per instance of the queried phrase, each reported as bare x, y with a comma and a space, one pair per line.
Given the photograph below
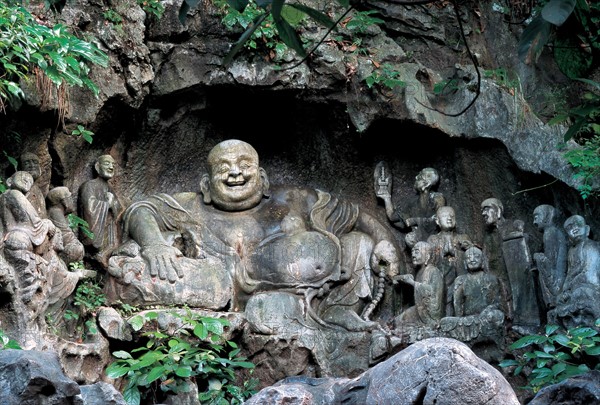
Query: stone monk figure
288, 239
99, 206
552, 262
579, 302
30, 163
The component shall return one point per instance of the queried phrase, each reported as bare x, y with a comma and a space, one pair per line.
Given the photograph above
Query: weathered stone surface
33, 378
581, 389
433, 371
101, 393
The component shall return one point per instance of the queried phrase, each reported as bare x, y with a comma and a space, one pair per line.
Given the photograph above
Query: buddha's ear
205, 189
265, 182
9, 182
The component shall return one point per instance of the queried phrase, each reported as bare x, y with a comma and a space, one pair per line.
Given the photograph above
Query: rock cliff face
166, 100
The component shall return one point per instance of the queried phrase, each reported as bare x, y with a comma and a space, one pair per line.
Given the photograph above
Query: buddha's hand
163, 261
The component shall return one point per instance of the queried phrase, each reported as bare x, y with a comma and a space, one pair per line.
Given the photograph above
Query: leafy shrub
556, 355
385, 76
8, 343
169, 362
26, 47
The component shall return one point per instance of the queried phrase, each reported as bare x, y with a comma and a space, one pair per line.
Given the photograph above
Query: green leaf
121, 354
131, 395
244, 37
583, 332
527, 341
593, 351
533, 39
316, 15
550, 329
557, 11
137, 322
115, 370
572, 59
289, 36
184, 372
508, 363
155, 374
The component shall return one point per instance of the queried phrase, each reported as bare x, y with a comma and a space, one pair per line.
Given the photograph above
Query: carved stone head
576, 228
61, 196
426, 179
492, 211
235, 181
543, 216
105, 167
445, 218
30, 162
21, 181
421, 254
474, 259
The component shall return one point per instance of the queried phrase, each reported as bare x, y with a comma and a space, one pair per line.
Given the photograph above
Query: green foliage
27, 47
263, 37
272, 14
556, 355
361, 21
89, 296
76, 223
8, 343
503, 78
385, 76
586, 162
84, 133
113, 16
446, 87
152, 7
584, 128
169, 362
573, 27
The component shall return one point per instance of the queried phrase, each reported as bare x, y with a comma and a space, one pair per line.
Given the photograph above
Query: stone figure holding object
421, 221
100, 207
429, 289
245, 239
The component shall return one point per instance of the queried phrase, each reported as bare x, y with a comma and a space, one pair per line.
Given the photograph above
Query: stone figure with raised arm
429, 289
421, 221
505, 242
30, 163
100, 207
552, 262
285, 240
60, 203
448, 251
579, 302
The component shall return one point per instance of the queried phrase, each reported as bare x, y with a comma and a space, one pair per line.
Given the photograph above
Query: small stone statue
510, 260
478, 289
579, 302
448, 247
422, 222
60, 204
429, 289
30, 163
552, 262
100, 207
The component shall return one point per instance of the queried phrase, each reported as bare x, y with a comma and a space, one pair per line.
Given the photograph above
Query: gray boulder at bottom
29, 377
439, 371
581, 389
